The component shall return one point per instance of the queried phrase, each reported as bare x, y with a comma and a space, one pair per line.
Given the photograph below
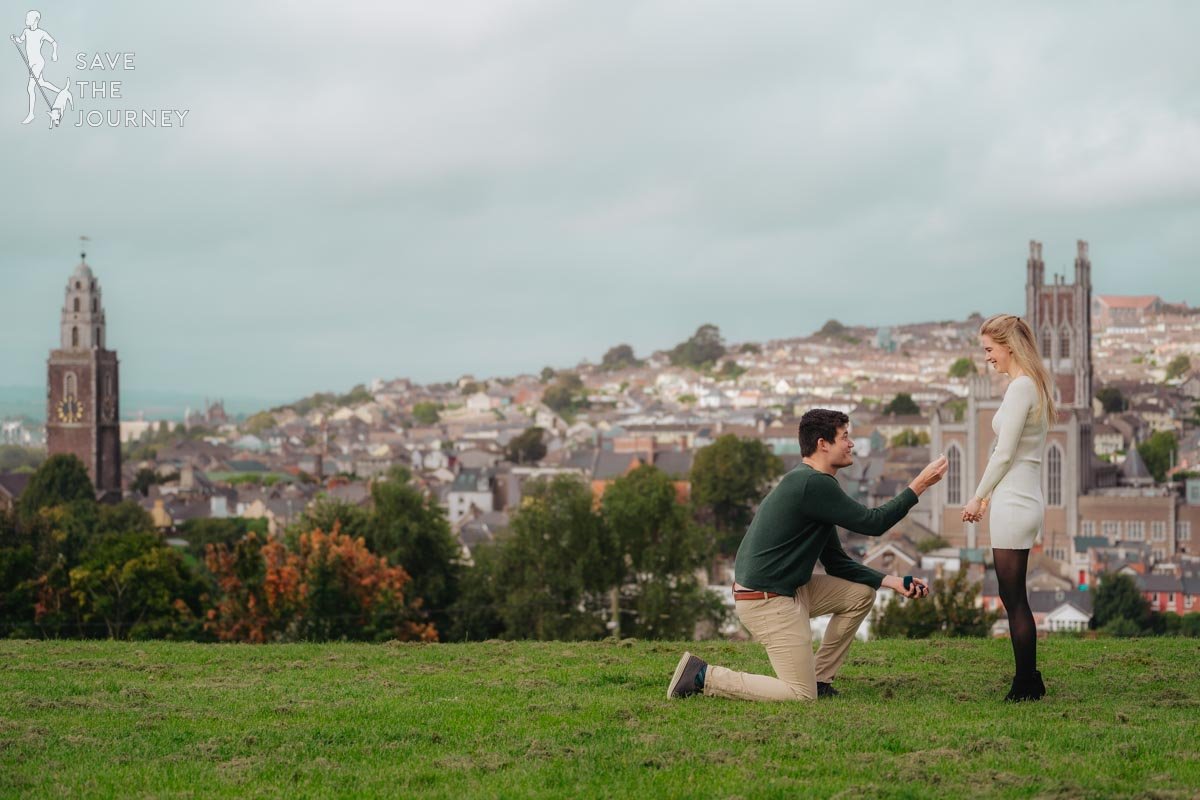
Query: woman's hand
973, 511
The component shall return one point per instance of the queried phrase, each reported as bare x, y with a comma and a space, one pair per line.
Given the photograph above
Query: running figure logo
33, 38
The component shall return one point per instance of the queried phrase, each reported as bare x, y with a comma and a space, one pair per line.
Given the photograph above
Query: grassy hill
915, 719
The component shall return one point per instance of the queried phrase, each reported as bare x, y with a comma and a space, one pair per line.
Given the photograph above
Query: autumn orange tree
328, 586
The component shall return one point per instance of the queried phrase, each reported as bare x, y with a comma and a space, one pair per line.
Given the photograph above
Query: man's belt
750, 594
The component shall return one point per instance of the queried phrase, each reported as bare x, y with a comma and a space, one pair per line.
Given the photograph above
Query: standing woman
1011, 486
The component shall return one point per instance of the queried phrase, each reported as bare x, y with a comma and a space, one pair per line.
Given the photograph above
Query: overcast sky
432, 189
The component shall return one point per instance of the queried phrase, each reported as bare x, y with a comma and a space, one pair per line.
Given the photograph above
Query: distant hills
30, 402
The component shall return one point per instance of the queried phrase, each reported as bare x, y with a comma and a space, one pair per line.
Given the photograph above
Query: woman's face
997, 355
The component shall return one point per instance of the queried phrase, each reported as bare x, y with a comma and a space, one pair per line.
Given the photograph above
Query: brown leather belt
749, 594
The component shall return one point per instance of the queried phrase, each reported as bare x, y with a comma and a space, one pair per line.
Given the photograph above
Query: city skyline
501, 188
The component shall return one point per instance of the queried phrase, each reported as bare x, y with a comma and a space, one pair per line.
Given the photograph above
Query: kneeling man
774, 588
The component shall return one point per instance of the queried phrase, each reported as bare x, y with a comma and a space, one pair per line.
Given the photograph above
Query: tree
329, 587
547, 374
1118, 598
832, 328
326, 514
728, 478
661, 549
201, 532
902, 405
470, 388
124, 517
528, 447
619, 357
426, 413
909, 438
556, 564
1179, 366
411, 531
1112, 400
260, 423
14, 458
962, 368
950, 610
63, 479
1158, 451
750, 348
143, 480
701, 350
130, 585
730, 370
566, 395
475, 613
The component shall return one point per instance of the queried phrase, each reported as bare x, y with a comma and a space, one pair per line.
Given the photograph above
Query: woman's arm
1014, 410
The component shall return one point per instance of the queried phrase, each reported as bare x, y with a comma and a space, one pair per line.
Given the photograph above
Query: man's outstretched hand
930, 475
916, 587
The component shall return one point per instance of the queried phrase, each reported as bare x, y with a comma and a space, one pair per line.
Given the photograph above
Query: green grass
915, 719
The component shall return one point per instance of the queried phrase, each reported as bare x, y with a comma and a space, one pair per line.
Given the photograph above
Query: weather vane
82, 247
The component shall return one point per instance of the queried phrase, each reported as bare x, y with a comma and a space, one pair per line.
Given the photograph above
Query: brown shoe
686, 681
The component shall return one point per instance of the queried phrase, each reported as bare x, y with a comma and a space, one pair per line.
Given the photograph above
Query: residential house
12, 484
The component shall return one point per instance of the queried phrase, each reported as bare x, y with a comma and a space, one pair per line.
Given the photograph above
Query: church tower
82, 391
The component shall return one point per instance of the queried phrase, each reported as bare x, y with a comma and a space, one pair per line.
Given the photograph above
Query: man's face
841, 449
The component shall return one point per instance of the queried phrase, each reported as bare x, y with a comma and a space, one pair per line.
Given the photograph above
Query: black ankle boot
1026, 688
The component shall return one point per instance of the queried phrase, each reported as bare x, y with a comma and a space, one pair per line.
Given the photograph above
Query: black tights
1010, 574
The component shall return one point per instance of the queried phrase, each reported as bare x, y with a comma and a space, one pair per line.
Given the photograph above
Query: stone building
83, 390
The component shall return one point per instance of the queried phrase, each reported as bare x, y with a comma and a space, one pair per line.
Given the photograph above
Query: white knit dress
1013, 477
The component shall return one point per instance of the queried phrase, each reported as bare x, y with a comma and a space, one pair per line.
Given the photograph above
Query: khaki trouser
782, 625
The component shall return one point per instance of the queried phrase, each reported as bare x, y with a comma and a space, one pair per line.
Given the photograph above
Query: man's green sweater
796, 526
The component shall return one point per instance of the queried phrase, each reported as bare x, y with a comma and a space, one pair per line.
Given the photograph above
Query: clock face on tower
70, 409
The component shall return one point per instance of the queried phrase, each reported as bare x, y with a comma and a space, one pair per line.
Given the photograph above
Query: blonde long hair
1015, 334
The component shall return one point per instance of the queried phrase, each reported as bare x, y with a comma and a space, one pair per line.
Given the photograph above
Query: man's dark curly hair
819, 423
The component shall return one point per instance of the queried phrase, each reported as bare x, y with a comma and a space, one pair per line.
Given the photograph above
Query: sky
428, 190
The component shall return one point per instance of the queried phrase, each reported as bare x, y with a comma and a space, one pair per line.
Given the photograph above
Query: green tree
619, 357
260, 423
750, 348
528, 447
411, 531
661, 548
143, 480
475, 614
1118, 598
730, 370
14, 458
909, 438
832, 328
701, 350
469, 388
1158, 451
327, 514
1112, 400
426, 413
902, 405
557, 564
1179, 366
566, 395
130, 585
962, 368
950, 610
728, 479
201, 532
62, 480
18, 576
547, 374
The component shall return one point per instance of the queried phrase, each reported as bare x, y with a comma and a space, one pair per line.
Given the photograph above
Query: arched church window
96, 342
1054, 475
74, 337
76, 305
1047, 343
95, 305
1064, 342
69, 385
954, 476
